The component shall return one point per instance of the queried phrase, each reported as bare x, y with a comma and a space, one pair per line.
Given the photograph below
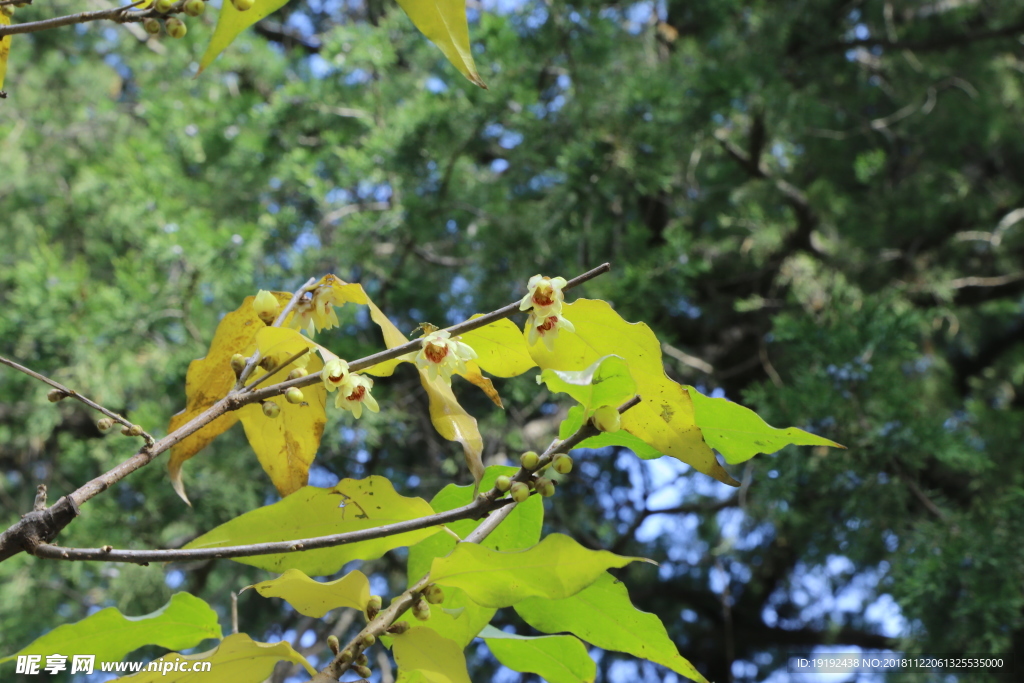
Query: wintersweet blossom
266, 306
354, 393
318, 313
442, 355
545, 295
334, 374
547, 328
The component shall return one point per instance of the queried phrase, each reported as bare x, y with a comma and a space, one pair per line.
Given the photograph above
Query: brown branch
118, 14
42, 526
70, 393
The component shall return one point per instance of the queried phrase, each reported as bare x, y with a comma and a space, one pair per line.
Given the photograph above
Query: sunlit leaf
605, 382
664, 419
574, 420
444, 23
739, 433
313, 598
209, 379
603, 615
352, 505
435, 658
240, 656
231, 22
556, 659
557, 567
183, 622
521, 529
500, 348
286, 444
5, 48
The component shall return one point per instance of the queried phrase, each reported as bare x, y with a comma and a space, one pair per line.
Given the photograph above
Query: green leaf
605, 382
557, 567
231, 22
352, 505
183, 622
603, 615
238, 658
521, 529
437, 659
500, 348
664, 418
574, 420
444, 23
315, 599
556, 659
739, 433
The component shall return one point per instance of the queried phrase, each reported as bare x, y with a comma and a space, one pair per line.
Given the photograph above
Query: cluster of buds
175, 27
545, 298
353, 389
520, 490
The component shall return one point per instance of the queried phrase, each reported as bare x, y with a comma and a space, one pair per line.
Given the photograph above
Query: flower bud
607, 419
53, 395
545, 487
421, 610
433, 594
243, 5
529, 460
297, 373
164, 6
294, 395
363, 671
346, 657
8, 10
361, 659
238, 360
369, 639
176, 29
265, 304
268, 363
151, 25
104, 424
399, 627
562, 463
134, 430
503, 483
373, 606
520, 492
271, 409
194, 8
332, 642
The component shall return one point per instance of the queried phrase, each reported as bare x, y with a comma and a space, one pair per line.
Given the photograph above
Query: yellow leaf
209, 379
444, 23
500, 348
241, 656
352, 505
437, 659
231, 22
5, 48
474, 376
664, 418
315, 599
448, 417
286, 444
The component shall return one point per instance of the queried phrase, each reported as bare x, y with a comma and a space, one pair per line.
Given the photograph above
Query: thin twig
118, 14
276, 370
250, 365
70, 393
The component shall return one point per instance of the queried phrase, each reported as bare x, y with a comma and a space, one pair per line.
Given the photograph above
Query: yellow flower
545, 295
442, 355
316, 314
355, 393
547, 328
266, 306
334, 374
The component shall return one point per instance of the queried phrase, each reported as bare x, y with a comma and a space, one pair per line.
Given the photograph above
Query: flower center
435, 353
336, 379
358, 394
544, 295
548, 324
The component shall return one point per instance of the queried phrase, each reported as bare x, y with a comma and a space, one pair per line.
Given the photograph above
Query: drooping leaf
287, 444
739, 433
182, 623
574, 420
313, 598
444, 23
5, 48
459, 618
557, 567
231, 22
238, 658
500, 348
605, 382
435, 658
352, 505
556, 659
664, 419
449, 418
603, 615
209, 379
